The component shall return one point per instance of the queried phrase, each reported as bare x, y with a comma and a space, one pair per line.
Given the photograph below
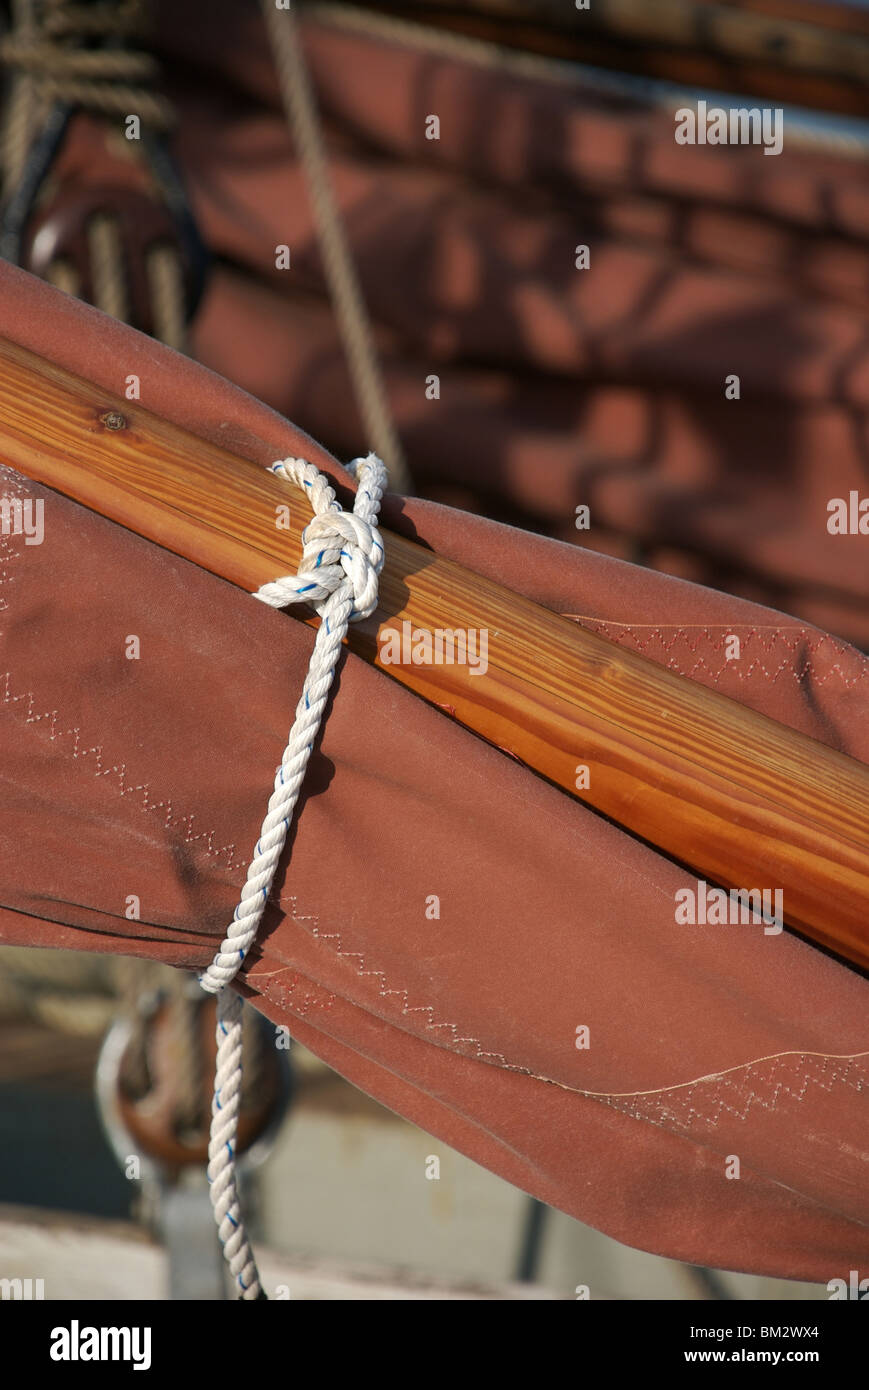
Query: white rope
342, 556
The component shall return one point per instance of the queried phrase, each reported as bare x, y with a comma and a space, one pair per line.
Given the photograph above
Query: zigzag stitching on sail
6, 554
628, 1102
119, 770
669, 1114
272, 987
652, 634
386, 992
630, 1099
225, 852
7, 550
768, 635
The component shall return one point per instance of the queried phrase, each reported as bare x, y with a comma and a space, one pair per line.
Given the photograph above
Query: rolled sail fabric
457, 937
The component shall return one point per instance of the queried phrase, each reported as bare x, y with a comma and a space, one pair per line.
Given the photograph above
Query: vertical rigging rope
353, 322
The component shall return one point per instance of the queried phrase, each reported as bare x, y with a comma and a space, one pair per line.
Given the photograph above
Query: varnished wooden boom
739, 798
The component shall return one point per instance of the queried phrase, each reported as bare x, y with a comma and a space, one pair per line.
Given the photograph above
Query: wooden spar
793, 51
811, 38
739, 798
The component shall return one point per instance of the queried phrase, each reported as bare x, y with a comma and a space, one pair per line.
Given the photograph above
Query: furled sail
453, 934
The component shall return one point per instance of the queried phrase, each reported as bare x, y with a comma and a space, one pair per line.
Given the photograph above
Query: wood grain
810, 39
740, 799
785, 51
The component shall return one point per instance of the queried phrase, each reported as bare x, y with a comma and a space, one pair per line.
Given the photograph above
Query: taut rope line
342, 556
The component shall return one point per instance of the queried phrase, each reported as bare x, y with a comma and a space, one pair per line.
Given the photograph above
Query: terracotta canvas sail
148, 777
705, 261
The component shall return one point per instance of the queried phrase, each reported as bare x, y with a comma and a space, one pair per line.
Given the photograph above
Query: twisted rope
300, 104
45, 52
342, 556
60, 51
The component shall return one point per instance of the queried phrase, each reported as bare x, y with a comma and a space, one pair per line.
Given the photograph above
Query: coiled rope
342, 556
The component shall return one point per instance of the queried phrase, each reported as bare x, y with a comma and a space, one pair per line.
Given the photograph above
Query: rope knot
342, 555
342, 552
344, 542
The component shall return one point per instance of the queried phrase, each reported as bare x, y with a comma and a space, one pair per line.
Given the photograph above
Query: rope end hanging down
342, 557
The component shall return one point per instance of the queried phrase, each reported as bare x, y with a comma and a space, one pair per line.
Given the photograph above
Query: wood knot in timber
114, 420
